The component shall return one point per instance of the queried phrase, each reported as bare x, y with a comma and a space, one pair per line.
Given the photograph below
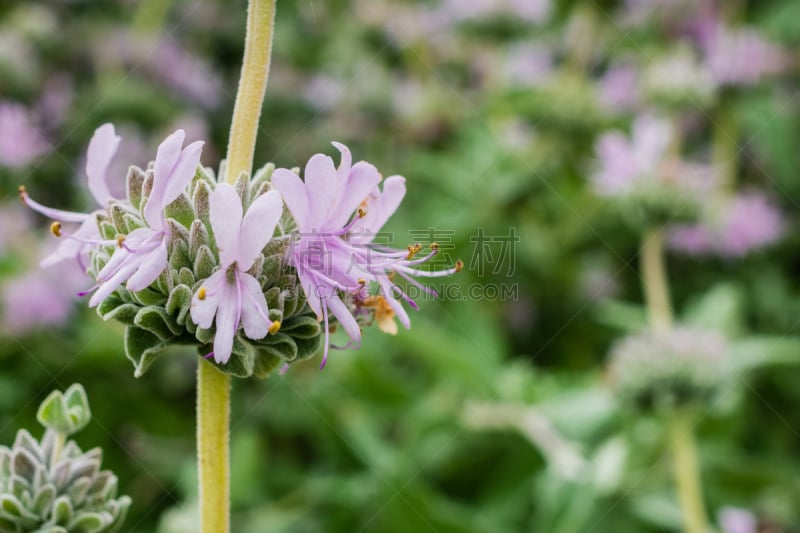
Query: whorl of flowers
658, 370
645, 176
51, 485
188, 259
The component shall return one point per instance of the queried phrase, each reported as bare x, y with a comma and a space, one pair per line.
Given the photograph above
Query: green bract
50, 486
158, 317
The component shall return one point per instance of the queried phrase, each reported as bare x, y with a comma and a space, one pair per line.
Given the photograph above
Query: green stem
252, 84
213, 453
654, 279
213, 386
687, 473
725, 148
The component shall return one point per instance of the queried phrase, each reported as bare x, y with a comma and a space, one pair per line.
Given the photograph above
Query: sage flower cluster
189, 257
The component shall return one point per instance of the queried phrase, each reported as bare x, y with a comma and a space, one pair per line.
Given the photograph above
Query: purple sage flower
102, 149
231, 293
142, 255
338, 214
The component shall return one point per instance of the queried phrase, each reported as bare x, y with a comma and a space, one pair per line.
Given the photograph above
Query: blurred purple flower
625, 161
734, 520
528, 64
741, 56
13, 224
21, 141
232, 294
56, 100
746, 223
40, 298
618, 88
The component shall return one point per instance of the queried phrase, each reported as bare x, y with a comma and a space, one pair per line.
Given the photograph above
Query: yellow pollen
435, 246
362, 281
201, 295
362, 212
120, 240
413, 249
55, 228
459, 265
390, 275
276, 325
22, 192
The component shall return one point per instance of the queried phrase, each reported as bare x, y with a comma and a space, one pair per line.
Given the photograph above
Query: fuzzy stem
654, 279
687, 474
213, 454
725, 148
252, 84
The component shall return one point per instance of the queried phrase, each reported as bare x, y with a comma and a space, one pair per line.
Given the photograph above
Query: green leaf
720, 309
181, 211
179, 303
157, 321
204, 263
142, 348
89, 522
242, 361
134, 181
62, 511
112, 308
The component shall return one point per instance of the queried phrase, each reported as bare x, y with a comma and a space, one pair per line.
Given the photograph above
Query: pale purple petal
226, 323
49, 212
102, 149
152, 265
345, 317
134, 241
362, 179
173, 171
346, 162
321, 183
381, 206
226, 221
254, 308
257, 227
107, 287
312, 294
203, 311
294, 193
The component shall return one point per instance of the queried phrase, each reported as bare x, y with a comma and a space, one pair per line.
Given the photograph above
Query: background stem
252, 84
654, 279
213, 454
686, 470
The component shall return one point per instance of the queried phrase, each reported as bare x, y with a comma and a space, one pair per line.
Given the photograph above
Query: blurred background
495, 411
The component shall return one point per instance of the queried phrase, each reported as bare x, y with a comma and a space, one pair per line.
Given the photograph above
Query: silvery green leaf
44, 499
179, 254
90, 522
204, 263
117, 213
149, 297
107, 230
157, 321
241, 184
181, 210
179, 303
23, 463
242, 360
260, 177
134, 181
186, 277
112, 308
301, 327
62, 511
198, 236
266, 362
200, 202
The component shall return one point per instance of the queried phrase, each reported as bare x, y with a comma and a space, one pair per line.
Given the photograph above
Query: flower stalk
213, 387
686, 471
654, 279
252, 84
213, 421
